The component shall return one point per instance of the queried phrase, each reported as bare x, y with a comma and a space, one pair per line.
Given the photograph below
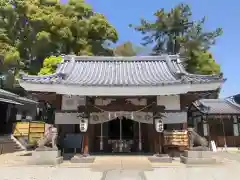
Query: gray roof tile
7, 93
121, 71
12, 96
216, 106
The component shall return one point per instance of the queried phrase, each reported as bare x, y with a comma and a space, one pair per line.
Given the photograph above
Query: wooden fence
30, 131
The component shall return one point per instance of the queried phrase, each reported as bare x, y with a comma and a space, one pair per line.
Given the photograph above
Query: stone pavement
120, 168
48, 173
13, 159
230, 171
104, 163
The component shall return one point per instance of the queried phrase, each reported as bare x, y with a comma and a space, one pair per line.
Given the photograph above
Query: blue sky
223, 14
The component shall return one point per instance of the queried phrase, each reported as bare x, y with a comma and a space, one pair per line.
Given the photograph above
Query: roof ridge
174, 71
119, 58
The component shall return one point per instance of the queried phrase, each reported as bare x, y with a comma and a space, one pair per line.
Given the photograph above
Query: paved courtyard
170, 173
122, 169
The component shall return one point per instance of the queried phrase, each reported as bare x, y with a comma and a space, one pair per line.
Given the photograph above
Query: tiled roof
12, 96
216, 106
121, 71
7, 93
235, 100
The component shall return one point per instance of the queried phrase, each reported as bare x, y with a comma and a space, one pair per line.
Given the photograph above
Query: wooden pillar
153, 139
150, 137
156, 141
184, 126
86, 139
89, 140
58, 102
92, 138
86, 144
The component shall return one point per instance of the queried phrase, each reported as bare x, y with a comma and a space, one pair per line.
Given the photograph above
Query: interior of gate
120, 135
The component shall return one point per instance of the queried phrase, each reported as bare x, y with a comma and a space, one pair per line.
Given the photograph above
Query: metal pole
139, 137
101, 138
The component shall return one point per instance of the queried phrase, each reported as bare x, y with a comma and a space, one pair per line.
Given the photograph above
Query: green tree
175, 32
50, 65
30, 31
129, 49
125, 49
202, 63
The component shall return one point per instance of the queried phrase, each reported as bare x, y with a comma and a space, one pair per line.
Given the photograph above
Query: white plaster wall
72, 102
174, 118
66, 118
170, 102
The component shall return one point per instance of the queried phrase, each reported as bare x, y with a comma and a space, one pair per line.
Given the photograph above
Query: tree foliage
202, 63
50, 65
125, 49
129, 49
175, 32
31, 30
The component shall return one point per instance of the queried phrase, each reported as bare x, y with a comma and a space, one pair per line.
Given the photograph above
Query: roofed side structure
234, 100
216, 107
104, 76
8, 97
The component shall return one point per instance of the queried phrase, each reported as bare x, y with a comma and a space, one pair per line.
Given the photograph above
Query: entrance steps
8, 145
104, 163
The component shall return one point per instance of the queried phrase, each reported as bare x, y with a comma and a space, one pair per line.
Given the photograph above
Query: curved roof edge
171, 71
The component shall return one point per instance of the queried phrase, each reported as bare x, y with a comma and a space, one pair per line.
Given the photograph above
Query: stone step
7, 145
197, 161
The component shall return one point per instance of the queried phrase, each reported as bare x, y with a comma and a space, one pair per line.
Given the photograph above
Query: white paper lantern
159, 126
83, 125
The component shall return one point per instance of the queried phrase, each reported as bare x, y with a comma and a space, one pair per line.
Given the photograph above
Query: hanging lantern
159, 126
83, 125
84, 121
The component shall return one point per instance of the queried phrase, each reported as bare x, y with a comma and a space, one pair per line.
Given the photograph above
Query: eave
120, 91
